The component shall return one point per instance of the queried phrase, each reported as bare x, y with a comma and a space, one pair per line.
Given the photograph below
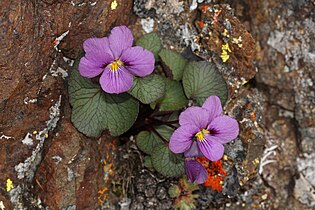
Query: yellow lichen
113, 5
224, 55
9, 185
225, 33
238, 41
244, 82
225, 47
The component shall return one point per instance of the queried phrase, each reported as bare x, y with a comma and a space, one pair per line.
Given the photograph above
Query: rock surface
270, 165
282, 105
284, 31
36, 37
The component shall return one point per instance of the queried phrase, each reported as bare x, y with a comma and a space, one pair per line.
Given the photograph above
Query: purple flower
207, 126
116, 59
194, 170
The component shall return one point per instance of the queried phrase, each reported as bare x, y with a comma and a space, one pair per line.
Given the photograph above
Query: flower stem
161, 113
162, 122
158, 134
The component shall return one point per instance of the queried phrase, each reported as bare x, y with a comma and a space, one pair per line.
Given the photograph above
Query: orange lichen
204, 8
200, 24
216, 16
102, 195
215, 173
107, 168
253, 116
55, 42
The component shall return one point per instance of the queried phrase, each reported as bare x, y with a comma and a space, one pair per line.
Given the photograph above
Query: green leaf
201, 80
93, 110
174, 116
147, 141
167, 163
148, 89
122, 112
189, 186
150, 42
165, 131
174, 191
174, 97
174, 61
148, 162
153, 104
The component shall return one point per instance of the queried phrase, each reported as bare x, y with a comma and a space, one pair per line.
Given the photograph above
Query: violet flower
116, 59
194, 170
207, 126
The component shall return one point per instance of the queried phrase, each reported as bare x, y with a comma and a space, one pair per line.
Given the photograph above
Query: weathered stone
248, 111
30, 56
304, 192
279, 161
220, 27
284, 31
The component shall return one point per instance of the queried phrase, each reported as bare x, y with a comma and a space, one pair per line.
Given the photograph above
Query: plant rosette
180, 101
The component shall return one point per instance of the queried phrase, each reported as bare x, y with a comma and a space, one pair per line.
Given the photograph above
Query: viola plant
173, 105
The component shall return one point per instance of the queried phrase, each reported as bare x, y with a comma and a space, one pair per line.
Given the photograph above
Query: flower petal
120, 38
138, 61
225, 128
195, 171
211, 148
194, 116
97, 50
181, 139
193, 151
89, 69
118, 81
214, 107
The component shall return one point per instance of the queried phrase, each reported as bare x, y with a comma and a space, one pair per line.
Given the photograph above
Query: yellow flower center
114, 66
201, 134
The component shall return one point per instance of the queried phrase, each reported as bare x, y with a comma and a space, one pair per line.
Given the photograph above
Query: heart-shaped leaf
165, 131
175, 62
93, 110
150, 42
201, 80
167, 163
147, 141
148, 162
148, 89
174, 98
